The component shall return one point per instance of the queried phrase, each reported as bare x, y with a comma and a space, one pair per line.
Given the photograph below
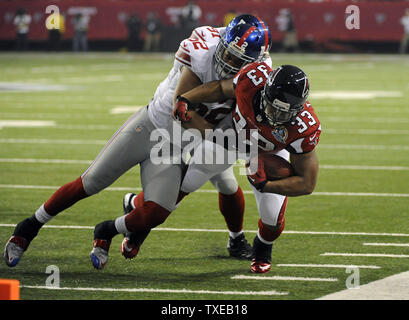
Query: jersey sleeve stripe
183, 55
245, 36
184, 62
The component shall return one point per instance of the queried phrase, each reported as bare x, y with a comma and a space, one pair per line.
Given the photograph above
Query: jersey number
253, 77
301, 123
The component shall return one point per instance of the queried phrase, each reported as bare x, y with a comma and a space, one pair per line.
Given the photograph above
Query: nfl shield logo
280, 133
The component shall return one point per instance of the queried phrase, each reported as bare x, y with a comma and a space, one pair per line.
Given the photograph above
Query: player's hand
258, 179
180, 109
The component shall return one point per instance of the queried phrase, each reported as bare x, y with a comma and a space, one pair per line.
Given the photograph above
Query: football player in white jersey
132, 144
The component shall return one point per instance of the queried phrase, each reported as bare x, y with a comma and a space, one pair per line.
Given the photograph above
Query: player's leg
118, 155
271, 223
271, 208
231, 206
161, 185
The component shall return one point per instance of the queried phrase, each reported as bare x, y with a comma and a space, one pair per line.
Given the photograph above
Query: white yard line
373, 147
283, 278
354, 95
151, 290
367, 131
351, 194
10, 225
375, 255
103, 142
341, 266
322, 166
386, 244
391, 288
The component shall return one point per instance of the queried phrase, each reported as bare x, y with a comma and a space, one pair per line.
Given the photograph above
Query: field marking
386, 244
363, 147
48, 161
391, 288
342, 266
125, 109
350, 194
22, 86
322, 166
283, 278
367, 131
151, 290
103, 142
54, 141
354, 95
7, 225
366, 120
376, 255
354, 167
26, 124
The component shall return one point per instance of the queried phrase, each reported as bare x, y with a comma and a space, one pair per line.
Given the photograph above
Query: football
276, 167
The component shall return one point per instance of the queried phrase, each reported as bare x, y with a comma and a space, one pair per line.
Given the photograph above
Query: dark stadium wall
320, 26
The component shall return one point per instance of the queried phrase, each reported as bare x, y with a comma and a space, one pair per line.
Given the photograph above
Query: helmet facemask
229, 59
278, 112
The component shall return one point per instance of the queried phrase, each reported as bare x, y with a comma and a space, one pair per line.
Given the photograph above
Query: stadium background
320, 24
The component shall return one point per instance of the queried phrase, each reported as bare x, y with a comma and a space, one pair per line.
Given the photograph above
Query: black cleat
239, 247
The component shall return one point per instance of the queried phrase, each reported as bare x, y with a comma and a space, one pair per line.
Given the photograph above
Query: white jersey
196, 53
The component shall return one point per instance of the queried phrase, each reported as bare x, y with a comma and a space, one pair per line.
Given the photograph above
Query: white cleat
99, 253
14, 250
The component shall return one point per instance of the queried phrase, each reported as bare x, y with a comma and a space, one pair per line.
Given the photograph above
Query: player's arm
303, 182
189, 118
190, 92
213, 91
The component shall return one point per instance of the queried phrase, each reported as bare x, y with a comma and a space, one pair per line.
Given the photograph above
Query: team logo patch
280, 133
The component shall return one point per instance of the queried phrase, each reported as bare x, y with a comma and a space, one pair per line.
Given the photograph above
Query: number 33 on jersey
299, 136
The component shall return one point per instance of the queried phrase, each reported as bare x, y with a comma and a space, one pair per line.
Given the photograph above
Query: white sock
120, 225
42, 216
234, 235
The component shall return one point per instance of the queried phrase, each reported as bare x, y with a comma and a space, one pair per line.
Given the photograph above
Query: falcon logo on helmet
284, 94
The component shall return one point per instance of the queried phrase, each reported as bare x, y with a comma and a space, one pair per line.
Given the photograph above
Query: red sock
139, 200
232, 208
65, 197
268, 234
146, 217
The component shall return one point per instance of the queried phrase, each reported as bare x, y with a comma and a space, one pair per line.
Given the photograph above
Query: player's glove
258, 179
180, 109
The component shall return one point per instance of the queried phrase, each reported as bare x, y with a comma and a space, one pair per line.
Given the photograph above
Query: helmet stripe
265, 32
245, 36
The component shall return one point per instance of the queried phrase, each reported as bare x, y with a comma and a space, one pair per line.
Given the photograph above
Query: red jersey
299, 136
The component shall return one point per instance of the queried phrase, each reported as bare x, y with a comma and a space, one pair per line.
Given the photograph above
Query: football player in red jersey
274, 102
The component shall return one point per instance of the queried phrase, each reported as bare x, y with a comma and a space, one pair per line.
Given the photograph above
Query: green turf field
361, 200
